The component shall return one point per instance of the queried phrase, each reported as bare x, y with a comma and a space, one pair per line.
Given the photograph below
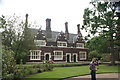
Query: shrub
105, 58
9, 64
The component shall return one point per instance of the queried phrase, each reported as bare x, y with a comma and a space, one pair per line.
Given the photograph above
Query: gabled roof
72, 37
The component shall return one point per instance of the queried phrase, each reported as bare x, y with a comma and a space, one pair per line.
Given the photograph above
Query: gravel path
104, 76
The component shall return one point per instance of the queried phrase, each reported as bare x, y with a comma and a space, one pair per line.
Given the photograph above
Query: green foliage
9, 63
94, 54
101, 19
99, 44
16, 35
105, 57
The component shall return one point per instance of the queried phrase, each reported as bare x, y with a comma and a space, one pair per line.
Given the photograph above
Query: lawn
64, 72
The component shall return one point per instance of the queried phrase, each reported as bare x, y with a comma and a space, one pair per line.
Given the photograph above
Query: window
40, 42
82, 55
80, 45
35, 54
61, 44
58, 55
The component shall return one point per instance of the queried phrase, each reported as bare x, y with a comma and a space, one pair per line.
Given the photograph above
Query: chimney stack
48, 23
48, 28
78, 27
66, 31
26, 20
66, 27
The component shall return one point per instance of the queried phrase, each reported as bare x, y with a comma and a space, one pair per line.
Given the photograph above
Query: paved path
104, 76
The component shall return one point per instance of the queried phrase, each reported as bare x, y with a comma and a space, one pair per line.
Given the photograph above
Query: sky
59, 11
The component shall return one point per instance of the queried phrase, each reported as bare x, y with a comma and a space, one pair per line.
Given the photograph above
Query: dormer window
61, 44
40, 42
80, 45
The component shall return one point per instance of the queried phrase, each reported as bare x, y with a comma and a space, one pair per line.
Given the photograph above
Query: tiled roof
72, 37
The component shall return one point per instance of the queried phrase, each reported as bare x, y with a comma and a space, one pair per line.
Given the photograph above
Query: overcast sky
59, 11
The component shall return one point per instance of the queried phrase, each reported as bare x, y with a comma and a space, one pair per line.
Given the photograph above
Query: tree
24, 44
101, 19
16, 35
99, 44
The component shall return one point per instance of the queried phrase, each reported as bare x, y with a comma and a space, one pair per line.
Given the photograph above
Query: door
47, 57
74, 57
68, 58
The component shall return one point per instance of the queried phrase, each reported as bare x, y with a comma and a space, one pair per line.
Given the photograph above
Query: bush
9, 64
94, 54
23, 71
105, 58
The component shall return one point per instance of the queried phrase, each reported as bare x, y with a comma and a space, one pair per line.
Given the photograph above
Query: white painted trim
39, 42
48, 54
62, 43
79, 44
84, 53
66, 56
38, 54
76, 57
58, 51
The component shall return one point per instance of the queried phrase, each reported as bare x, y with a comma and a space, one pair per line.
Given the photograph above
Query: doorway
47, 57
74, 57
68, 58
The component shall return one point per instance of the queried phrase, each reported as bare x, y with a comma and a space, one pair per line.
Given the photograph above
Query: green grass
64, 72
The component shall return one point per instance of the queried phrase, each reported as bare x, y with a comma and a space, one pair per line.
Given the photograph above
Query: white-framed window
58, 55
35, 54
61, 44
40, 42
82, 55
80, 45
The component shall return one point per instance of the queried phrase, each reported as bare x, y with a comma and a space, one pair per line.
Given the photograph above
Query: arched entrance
47, 57
74, 58
68, 58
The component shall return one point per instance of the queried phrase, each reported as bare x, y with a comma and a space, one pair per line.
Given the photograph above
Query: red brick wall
52, 49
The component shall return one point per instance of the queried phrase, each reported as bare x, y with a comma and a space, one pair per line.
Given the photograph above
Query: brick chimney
48, 28
66, 31
26, 20
78, 28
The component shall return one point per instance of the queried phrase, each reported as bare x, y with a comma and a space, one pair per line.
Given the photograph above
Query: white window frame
80, 44
40, 41
33, 53
81, 52
58, 58
61, 42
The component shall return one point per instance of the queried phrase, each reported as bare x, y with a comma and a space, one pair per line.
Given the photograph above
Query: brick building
60, 46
